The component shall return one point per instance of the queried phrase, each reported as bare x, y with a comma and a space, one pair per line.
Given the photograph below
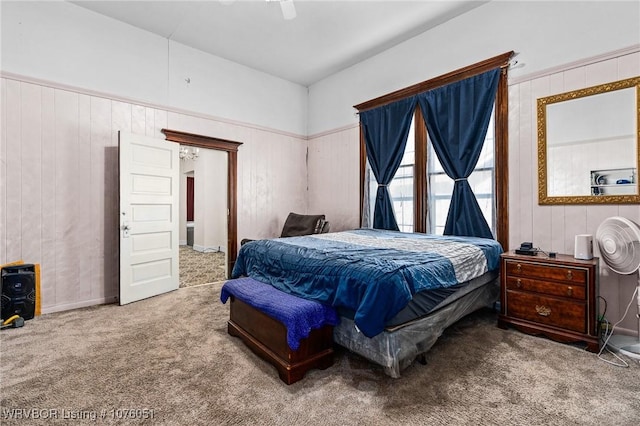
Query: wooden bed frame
267, 337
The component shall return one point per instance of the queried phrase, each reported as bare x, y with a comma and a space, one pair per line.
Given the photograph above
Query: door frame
231, 148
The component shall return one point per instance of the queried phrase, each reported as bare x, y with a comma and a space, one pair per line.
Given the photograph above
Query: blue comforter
374, 273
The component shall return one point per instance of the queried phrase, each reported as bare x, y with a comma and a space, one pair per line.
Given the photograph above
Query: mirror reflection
588, 145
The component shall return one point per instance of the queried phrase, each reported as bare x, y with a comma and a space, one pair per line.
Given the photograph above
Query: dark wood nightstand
554, 297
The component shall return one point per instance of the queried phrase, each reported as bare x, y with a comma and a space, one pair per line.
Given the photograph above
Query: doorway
231, 149
203, 216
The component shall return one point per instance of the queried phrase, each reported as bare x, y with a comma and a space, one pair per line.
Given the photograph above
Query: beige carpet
171, 354
198, 268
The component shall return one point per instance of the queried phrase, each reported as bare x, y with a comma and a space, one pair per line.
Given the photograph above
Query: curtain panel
457, 116
385, 132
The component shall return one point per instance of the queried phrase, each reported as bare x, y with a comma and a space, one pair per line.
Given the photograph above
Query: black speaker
18, 291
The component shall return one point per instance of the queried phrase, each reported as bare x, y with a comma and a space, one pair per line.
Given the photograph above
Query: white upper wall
546, 34
66, 44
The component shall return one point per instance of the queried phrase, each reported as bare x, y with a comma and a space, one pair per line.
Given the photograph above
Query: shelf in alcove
613, 185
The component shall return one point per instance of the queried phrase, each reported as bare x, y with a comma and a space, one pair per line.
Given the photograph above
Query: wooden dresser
554, 297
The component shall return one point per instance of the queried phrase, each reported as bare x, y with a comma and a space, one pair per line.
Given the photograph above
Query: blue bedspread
299, 316
374, 273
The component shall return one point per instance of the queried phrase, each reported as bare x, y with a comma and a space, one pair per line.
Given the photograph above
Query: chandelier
187, 153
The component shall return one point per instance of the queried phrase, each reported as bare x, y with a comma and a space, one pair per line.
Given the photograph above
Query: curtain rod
502, 61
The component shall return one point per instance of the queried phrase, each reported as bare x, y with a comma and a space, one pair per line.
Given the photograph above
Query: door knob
125, 230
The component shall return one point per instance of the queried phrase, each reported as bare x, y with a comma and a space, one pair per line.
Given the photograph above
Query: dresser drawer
562, 313
573, 291
547, 272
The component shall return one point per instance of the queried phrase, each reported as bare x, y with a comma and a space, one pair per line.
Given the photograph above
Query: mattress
372, 273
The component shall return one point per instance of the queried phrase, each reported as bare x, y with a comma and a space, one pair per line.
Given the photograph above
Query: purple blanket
300, 316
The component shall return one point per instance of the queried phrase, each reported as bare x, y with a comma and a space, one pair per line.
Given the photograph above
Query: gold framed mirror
589, 145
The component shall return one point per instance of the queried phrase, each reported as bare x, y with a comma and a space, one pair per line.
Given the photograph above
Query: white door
149, 196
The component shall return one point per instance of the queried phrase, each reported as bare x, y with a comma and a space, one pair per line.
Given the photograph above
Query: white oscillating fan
618, 239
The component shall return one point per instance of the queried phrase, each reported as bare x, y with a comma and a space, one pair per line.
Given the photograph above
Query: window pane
401, 191
401, 187
482, 182
368, 202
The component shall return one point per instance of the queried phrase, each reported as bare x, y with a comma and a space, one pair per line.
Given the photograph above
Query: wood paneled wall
553, 228
59, 183
59, 180
333, 178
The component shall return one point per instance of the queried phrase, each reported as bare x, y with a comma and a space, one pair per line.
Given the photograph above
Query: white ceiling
325, 37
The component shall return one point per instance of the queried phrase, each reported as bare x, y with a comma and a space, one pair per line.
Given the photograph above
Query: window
431, 191
440, 186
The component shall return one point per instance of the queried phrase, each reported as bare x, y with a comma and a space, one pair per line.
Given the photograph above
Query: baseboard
626, 331
83, 304
209, 249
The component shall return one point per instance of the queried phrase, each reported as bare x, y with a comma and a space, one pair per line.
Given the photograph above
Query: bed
395, 292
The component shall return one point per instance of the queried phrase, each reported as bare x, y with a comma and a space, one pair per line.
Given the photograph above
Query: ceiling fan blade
288, 9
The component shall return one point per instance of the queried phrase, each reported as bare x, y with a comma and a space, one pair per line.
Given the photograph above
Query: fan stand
628, 345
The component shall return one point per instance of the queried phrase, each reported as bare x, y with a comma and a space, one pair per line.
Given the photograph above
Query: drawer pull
570, 291
569, 275
519, 267
518, 283
543, 311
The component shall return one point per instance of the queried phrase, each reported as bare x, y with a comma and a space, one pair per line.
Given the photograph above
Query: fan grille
619, 243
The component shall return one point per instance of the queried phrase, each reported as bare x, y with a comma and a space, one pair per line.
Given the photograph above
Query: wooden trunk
267, 337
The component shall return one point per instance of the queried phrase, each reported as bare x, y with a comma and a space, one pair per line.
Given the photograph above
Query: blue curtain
457, 117
385, 132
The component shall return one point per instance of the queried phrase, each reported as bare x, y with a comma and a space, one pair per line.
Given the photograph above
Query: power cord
538, 249
15, 321
550, 255
608, 335
604, 313
602, 317
604, 347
